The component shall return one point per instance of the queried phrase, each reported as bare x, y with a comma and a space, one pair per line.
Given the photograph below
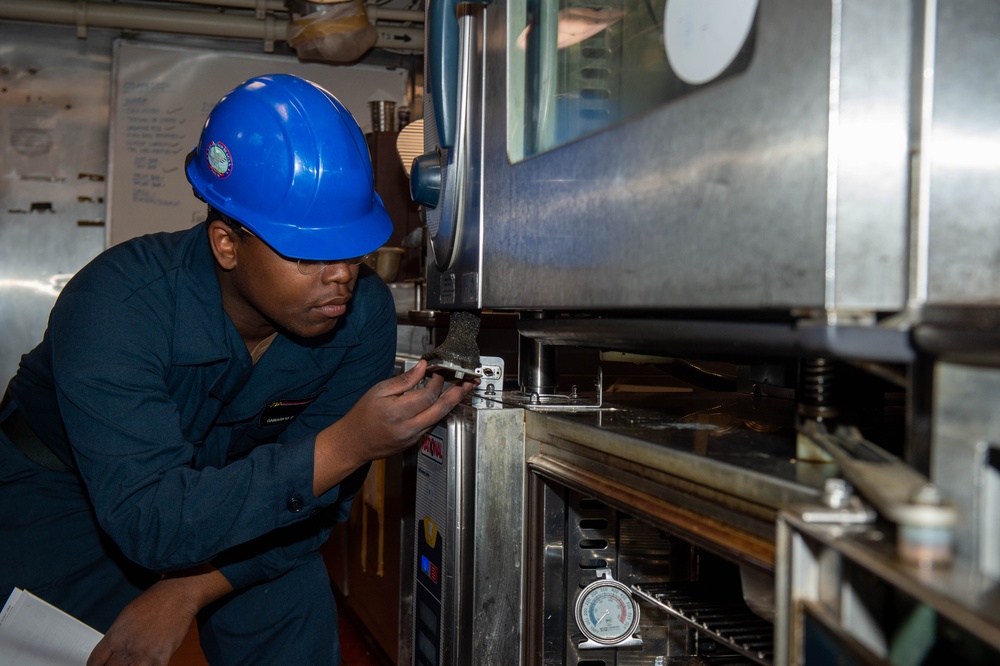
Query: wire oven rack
727, 621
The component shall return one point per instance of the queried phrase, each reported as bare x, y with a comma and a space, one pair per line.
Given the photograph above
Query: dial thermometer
607, 614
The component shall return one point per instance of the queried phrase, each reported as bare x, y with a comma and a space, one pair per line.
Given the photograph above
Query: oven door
680, 153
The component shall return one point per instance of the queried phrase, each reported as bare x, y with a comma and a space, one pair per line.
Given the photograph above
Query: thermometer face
606, 612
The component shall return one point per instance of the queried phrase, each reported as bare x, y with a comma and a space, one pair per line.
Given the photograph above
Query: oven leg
536, 362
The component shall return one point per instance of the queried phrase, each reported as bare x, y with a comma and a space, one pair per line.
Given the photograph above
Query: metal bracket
925, 520
569, 402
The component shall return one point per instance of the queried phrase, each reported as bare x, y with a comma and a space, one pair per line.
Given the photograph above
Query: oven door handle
442, 65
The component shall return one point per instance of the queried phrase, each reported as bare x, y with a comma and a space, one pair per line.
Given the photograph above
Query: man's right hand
389, 418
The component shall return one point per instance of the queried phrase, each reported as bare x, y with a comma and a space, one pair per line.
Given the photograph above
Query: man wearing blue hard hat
205, 403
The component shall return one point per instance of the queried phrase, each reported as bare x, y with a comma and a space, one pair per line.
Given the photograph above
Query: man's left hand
149, 630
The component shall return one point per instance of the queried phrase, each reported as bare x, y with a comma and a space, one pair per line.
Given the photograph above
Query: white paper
36, 633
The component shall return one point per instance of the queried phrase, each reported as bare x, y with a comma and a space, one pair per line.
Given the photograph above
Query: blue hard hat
286, 159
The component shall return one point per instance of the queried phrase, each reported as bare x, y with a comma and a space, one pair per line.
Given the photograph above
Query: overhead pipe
375, 13
85, 14
120, 16
257, 5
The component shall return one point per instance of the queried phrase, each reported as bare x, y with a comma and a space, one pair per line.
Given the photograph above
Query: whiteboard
161, 96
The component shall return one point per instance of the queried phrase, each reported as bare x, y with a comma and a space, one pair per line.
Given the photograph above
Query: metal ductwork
268, 23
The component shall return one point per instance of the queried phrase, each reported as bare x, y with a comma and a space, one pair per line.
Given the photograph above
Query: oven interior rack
727, 621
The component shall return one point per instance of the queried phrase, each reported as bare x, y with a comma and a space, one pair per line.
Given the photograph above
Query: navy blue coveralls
166, 447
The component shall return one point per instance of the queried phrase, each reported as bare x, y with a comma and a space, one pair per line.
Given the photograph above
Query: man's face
270, 289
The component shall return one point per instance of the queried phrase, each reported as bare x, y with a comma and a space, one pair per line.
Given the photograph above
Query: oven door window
577, 67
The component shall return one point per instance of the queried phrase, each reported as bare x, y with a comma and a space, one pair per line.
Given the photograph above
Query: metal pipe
266, 5
85, 14
375, 13
130, 17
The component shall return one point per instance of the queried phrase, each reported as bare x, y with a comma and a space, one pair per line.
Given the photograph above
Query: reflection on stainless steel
49, 287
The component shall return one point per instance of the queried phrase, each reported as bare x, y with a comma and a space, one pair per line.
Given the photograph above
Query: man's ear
224, 242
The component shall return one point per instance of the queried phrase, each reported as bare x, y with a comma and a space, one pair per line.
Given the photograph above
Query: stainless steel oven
821, 157
673, 524
804, 190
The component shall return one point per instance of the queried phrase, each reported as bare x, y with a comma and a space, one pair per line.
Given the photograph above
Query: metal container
383, 115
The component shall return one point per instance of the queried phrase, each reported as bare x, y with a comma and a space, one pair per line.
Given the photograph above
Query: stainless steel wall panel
54, 97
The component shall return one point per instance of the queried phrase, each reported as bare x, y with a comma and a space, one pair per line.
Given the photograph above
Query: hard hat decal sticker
219, 160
